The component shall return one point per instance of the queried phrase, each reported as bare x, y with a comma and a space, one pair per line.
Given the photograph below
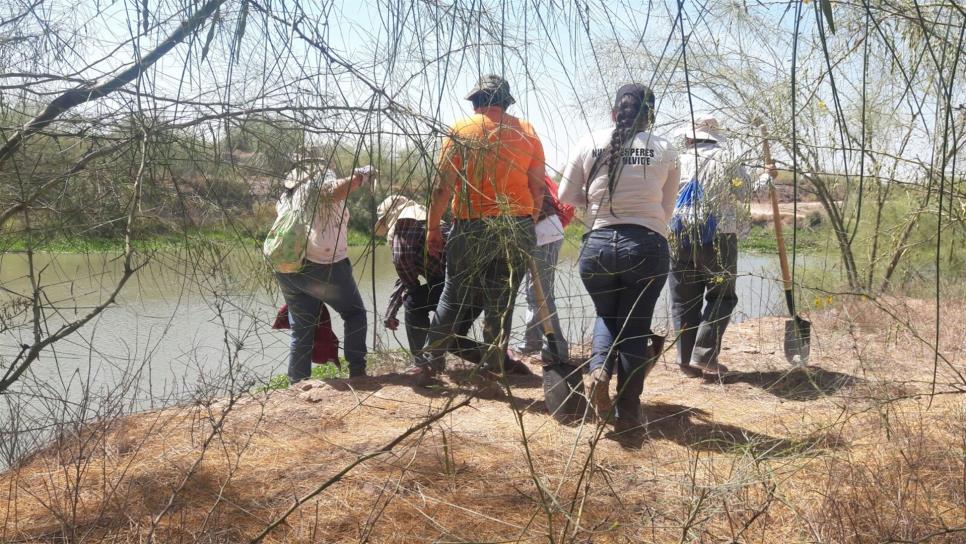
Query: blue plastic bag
690, 220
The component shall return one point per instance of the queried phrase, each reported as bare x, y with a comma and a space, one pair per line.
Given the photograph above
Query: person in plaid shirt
421, 277
403, 222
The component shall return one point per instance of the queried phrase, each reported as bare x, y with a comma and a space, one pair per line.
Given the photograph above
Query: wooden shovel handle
776, 215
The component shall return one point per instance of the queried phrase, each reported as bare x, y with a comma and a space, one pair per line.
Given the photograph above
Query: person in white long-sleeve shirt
704, 256
627, 180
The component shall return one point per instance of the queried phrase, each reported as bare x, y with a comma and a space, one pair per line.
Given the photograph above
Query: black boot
628, 404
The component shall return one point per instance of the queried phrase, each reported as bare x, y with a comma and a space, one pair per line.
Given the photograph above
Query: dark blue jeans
304, 292
624, 268
419, 304
485, 263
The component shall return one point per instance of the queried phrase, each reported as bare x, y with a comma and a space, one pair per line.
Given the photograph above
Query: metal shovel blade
563, 392
798, 340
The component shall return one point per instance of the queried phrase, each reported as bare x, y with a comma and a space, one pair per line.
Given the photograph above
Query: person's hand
361, 175
434, 240
771, 170
391, 323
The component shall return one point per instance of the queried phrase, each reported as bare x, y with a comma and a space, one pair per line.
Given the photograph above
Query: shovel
798, 331
562, 384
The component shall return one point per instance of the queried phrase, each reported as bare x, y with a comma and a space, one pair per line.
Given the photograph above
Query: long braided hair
632, 114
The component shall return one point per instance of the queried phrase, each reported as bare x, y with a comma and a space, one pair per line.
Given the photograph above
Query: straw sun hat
394, 208
705, 127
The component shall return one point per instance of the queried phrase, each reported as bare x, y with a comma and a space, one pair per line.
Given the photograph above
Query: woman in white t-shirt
627, 179
326, 274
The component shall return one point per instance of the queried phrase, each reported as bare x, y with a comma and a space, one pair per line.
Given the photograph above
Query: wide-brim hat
303, 168
705, 127
392, 209
495, 86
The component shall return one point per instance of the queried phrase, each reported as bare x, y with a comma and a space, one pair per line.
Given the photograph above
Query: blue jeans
419, 303
533, 339
305, 291
624, 268
485, 263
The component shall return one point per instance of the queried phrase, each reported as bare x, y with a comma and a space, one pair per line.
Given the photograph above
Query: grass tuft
319, 372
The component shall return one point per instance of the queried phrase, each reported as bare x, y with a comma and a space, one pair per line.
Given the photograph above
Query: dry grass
847, 451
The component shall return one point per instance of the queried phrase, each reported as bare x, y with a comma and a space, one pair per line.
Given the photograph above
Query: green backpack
284, 247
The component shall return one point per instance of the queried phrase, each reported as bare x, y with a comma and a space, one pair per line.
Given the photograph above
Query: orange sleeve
538, 156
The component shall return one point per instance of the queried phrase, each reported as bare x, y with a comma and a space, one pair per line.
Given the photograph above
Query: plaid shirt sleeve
411, 261
408, 243
395, 300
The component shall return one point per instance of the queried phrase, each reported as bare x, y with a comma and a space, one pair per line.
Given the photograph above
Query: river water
185, 320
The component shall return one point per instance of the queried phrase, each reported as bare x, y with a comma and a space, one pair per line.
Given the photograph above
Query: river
185, 319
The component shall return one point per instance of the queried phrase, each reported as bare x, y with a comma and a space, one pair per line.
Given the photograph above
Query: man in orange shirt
490, 171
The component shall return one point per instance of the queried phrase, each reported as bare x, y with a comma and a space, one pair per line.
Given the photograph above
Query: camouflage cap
495, 86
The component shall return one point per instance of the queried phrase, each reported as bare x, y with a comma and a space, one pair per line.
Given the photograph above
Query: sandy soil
849, 450
761, 212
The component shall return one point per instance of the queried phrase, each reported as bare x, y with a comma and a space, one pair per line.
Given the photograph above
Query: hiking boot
690, 371
524, 349
711, 370
629, 418
515, 367
489, 374
424, 374
487, 382
599, 393
629, 425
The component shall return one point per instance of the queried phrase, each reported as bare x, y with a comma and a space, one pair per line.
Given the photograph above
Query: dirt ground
852, 449
762, 214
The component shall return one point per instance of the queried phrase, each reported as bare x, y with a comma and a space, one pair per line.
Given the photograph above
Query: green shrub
319, 372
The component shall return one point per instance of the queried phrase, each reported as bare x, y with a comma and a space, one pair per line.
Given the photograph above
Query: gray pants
545, 257
305, 291
702, 286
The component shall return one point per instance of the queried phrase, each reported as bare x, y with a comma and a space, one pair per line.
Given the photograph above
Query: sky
563, 60
553, 55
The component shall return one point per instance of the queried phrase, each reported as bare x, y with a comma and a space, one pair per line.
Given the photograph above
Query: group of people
506, 221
